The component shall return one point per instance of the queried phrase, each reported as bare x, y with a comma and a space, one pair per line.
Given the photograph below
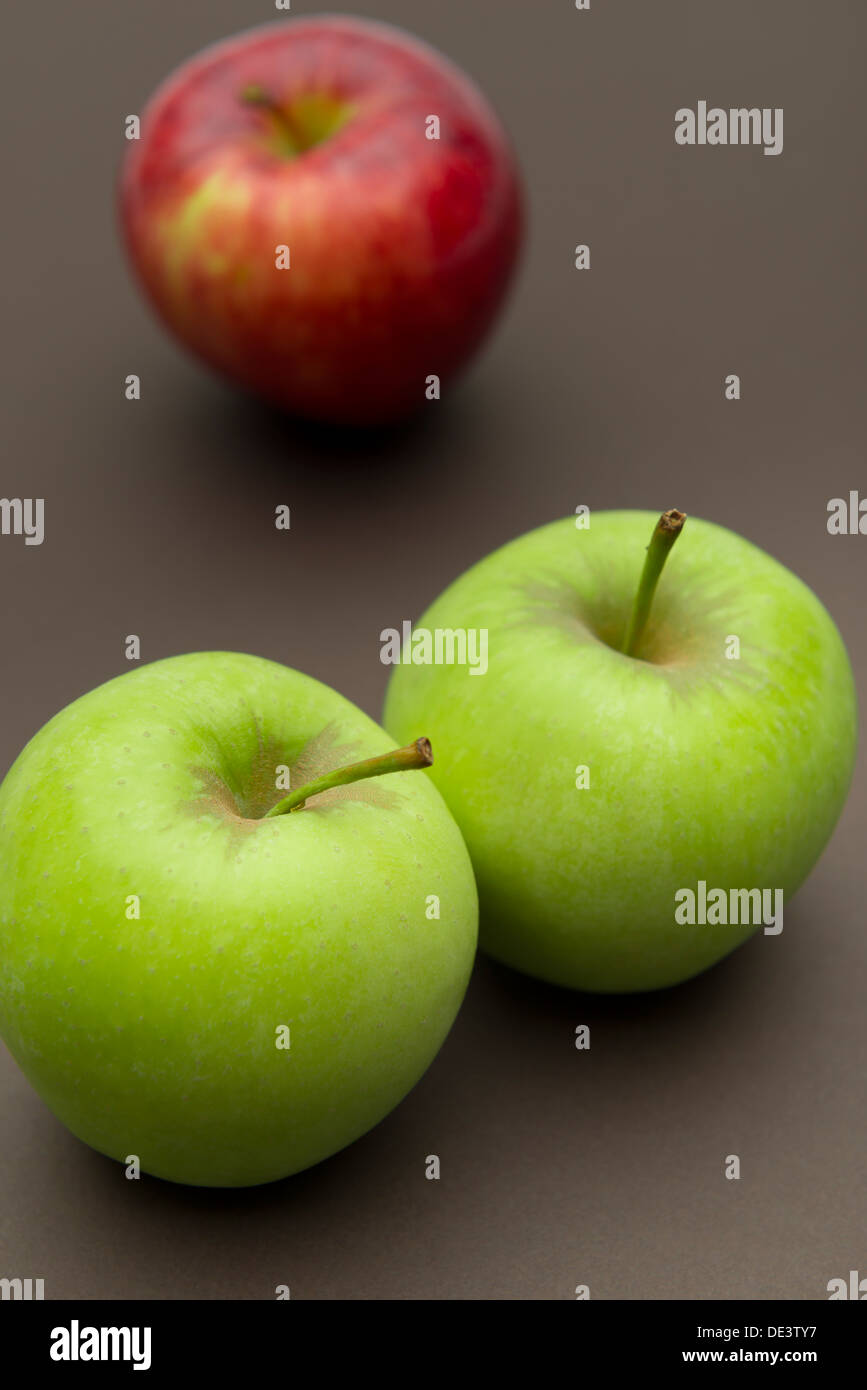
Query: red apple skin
401, 247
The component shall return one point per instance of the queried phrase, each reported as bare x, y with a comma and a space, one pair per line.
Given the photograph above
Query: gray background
604, 387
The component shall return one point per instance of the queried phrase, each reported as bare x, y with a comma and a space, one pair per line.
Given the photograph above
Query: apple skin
156, 1037
701, 767
401, 247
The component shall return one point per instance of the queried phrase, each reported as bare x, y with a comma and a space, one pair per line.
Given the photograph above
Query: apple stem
416, 754
257, 96
666, 532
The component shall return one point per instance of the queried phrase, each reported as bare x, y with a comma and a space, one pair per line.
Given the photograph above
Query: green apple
197, 967
615, 754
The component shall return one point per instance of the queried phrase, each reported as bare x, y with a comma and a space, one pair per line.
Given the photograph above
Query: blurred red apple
315, 135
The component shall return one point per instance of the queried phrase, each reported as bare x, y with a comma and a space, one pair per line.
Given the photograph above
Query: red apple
315, 135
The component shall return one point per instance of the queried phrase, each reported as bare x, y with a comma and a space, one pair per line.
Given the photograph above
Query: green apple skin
157, 1036
733, 771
